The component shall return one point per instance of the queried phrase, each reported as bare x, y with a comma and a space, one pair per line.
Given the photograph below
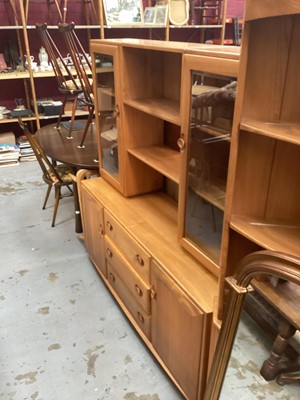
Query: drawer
140, 291
142, 319
138, 258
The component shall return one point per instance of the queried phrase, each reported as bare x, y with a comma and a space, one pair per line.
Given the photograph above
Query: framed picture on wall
123, 12
149, 15
161, 15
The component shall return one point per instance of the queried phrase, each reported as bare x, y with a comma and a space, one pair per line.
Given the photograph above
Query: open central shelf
163, 108
161, 158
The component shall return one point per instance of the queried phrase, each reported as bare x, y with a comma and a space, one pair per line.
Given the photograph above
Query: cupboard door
178, 333
205, 142
93, 227
105, 68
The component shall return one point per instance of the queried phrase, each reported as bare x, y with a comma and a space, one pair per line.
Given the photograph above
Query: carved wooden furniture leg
272, 366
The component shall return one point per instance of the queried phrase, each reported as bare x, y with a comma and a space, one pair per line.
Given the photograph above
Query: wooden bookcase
263, 192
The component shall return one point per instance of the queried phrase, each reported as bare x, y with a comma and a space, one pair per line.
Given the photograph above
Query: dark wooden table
60, 148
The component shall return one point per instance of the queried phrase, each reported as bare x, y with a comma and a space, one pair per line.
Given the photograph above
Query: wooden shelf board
13, 120
166, 109
289, 132
210, 191
269, 234
163, 159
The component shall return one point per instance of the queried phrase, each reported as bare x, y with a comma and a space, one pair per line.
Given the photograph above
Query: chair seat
65, 173
70, 85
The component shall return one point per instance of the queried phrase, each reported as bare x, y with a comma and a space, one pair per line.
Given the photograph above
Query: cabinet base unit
166, 294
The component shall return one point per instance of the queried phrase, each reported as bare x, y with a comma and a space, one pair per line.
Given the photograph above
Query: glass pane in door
212, 105
107, 113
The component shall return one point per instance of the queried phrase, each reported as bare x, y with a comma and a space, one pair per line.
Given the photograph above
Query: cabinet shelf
289, 132
166, 109
213, 192
161, 158
269, 234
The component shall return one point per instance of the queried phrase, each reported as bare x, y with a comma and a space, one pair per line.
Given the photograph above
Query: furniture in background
68, 84
55, 176
59, 148
80, 61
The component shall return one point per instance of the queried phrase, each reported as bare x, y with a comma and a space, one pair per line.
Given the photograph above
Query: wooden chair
68, 85
82, 65
55, 176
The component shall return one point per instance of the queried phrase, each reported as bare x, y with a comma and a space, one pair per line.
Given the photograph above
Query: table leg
78, 222
271, 367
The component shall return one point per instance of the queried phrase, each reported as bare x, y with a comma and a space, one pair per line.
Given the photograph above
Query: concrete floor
62, 335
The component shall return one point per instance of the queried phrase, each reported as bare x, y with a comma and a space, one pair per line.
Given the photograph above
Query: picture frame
161, 15
149, 15
126, 12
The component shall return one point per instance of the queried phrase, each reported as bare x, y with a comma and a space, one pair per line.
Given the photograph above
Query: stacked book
9, 154
26, 152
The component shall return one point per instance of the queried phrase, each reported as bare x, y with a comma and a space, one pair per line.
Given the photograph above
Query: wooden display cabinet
263, 211
143, 94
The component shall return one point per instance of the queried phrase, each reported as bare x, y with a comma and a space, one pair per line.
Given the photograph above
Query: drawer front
140, 291
142, 319
138, 258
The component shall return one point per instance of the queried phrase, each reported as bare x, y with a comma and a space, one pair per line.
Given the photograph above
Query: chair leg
47, 196
61, 111
87, 125
57, 198
74, 108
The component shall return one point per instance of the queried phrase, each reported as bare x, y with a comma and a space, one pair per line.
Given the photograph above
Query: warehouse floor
62, 336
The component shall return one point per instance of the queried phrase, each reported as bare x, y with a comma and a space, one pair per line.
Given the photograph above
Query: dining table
60, 147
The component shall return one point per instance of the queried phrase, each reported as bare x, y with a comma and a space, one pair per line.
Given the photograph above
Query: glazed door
106, 91
205, 142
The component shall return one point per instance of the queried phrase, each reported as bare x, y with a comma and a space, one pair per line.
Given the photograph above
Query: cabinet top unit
232, 52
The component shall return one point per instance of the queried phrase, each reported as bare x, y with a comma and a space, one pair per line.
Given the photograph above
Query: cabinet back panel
141, 129
284, 194
267, 68
254, 167
290, 107
151, 74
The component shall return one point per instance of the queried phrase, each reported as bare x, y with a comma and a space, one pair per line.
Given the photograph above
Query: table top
57, 146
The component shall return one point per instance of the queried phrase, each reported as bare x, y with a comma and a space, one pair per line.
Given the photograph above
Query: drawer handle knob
140, 260
140, 317
109, 226
109, 253
138, 290
111, 277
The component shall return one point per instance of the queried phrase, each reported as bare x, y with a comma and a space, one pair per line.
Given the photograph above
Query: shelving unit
263, 208
36, 84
